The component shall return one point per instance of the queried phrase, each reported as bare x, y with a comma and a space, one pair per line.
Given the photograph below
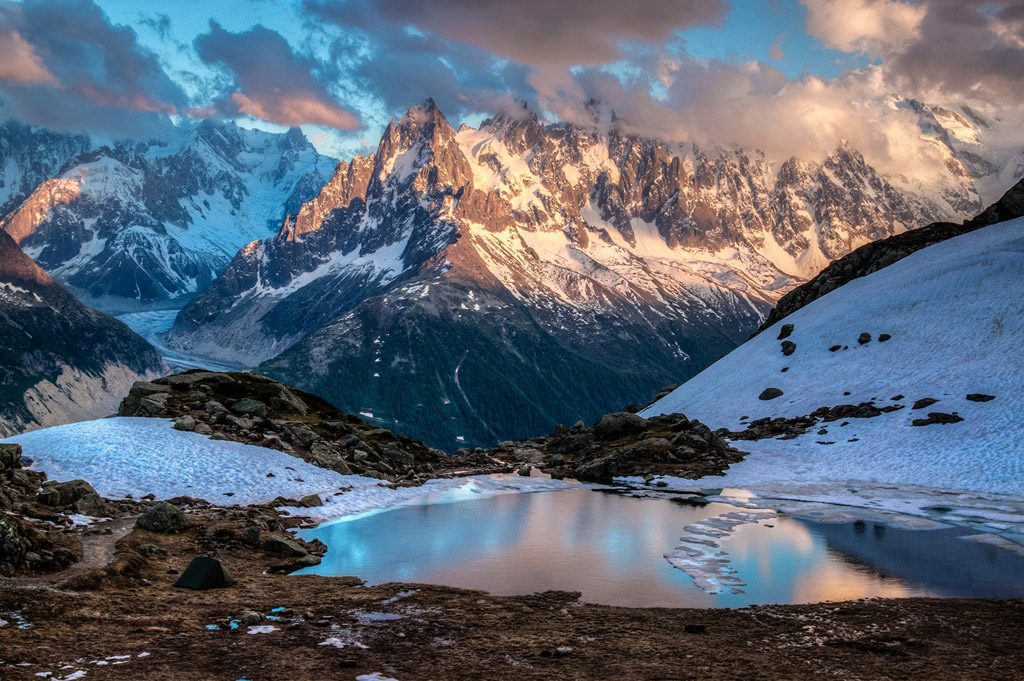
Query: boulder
311, 501
286, 401
937, 417
788, 348
14, 544
785, 331
864, 338
186, 423
140, 390
250, 407
250, 536
980, 397
164, 517
10, 456
64, 493
924, 402
619, 424
90, 504
191, 379
524, 470
277, 543
203, 429
770, 394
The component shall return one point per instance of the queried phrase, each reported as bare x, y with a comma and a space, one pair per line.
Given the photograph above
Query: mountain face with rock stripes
476, 285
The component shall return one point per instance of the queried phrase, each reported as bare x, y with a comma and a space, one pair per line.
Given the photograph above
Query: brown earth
130, 608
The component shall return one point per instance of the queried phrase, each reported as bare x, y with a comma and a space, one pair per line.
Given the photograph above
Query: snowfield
139, 456
954, 311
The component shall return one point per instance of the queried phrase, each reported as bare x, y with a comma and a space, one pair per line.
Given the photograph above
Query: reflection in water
610, 548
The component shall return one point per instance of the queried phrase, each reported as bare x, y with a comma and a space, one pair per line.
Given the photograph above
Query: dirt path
97, 551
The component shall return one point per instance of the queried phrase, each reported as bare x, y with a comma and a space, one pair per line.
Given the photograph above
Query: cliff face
60, 361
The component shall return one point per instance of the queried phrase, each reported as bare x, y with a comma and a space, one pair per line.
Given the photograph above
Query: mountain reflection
610, 548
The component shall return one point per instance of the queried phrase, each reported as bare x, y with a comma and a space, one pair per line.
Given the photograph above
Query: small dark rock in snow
864, 338
980, 397
788, 348
897, 397
769, 394
785, 369
835, 348
937, 417
924, 402
883, 337
785, 331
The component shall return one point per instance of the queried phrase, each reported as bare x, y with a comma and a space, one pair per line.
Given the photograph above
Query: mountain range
473, 285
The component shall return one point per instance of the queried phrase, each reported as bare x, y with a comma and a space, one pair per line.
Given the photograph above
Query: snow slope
954, 313
139, 456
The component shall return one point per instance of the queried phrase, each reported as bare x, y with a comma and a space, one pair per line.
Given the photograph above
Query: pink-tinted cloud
271, 82
19, 62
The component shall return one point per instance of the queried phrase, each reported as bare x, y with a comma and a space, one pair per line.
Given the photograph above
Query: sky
791, 77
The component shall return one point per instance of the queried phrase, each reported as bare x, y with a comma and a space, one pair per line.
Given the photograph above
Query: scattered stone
186, 423
883, 337
251, 618
770, 394
203, 428
250, 407
90, 504
311, 501
64, 493
696, 629
924, 402
524, 470
937, 417
980, 397
785, 331
788, 348
277, 543
835, 348
864, 338
250, 536
164, 517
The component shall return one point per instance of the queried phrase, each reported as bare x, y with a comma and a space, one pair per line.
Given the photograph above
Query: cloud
869, 26
537, 32
78, 71
775, 49
271, 82
19, 62
935, 50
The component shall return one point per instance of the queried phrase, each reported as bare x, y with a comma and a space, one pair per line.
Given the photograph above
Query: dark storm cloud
271, 82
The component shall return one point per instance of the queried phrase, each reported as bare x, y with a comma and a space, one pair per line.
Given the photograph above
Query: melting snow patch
376, 676
262, 629
700, 554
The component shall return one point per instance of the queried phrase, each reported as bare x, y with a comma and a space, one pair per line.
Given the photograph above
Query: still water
611, 548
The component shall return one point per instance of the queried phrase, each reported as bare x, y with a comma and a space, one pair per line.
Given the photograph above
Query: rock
10, 456
203, 429
835, 348
696, 629
14, 544
250, 407
524, 470
937, 417
924, 402
277, 543
562, 651
788, 348
785, 331
311, 501
561, 429
219, 436
186, 423
864, 338
557, 460
619, 424
140, 389
250, 536
578, 426
287, 401
770, 394
251, 618
90, 504
154, 405
883, 337
164, 517
215, 410
64, 493
190, 380
241, 423
980, 397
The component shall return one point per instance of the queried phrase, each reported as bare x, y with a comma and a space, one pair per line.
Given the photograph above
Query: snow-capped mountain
474, 271
147, 224
60, 361
29, 156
